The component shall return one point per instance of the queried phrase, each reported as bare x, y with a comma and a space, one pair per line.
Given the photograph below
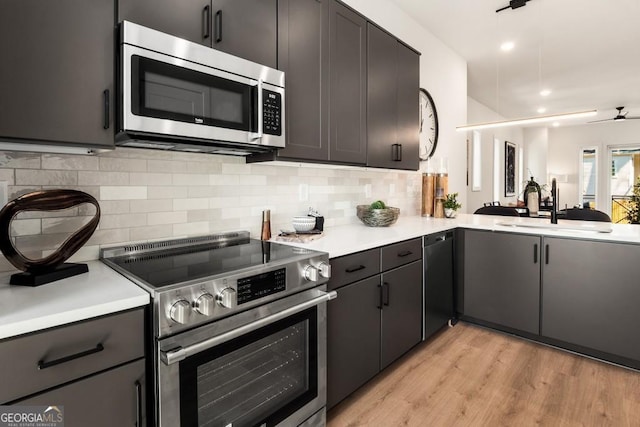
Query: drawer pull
404, 254
45, 365
385, 293
139, 409
354, 269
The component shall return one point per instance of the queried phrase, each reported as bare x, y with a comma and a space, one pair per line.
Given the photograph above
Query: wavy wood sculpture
46, 200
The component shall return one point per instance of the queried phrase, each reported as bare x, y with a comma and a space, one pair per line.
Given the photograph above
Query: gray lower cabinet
590, 295
57, 75
375, 320
353, 350
95, 368
111, 398
401, 315
393, 85
502, 279
246, 28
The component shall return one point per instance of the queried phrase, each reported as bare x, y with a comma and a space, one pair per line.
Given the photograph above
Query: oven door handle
177, 354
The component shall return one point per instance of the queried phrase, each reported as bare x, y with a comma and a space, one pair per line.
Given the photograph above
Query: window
476, 170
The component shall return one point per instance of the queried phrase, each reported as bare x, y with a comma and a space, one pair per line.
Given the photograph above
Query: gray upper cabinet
502, 279
302, 43
347, 128
186, 19
393, 85
247, 28
57, 76
590, 295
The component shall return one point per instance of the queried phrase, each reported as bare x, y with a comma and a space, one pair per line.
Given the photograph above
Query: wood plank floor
470, 376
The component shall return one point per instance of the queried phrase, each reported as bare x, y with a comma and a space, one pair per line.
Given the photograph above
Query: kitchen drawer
111, 398
38, 361
353, 267
401, 253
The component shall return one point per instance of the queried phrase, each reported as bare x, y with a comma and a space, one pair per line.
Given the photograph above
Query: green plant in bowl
379, 204
451, 205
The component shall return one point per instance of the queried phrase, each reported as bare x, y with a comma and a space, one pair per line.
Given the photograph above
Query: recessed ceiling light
507, 46
545, 92
556, 124
541, 110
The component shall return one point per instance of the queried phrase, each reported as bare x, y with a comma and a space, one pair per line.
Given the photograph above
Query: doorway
624, 165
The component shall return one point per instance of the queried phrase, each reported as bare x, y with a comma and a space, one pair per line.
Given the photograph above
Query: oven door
265, 366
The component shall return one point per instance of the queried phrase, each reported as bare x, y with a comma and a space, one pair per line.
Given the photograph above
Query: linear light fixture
42, 148
528, 120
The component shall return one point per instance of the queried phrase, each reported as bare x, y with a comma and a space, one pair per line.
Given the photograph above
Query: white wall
564, 148
479, 113
443, 73
536, 142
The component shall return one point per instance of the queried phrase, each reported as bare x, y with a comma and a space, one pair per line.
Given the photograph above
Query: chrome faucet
554, 202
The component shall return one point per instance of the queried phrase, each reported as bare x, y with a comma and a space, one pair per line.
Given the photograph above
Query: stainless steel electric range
239, 329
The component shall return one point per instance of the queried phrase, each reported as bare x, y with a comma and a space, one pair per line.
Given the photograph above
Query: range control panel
261, 285
272, 116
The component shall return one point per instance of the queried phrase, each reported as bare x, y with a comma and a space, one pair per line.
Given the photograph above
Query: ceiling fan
621, 116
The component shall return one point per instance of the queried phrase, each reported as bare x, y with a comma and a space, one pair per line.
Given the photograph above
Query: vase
450, 213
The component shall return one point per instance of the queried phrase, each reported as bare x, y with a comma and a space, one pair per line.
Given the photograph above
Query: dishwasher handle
176, 355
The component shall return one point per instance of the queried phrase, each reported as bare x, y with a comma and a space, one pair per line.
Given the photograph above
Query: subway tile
202, 191
7, 175
108, 207
235, 169
123, 192
16, 191
102, 178
110, 236
19, 160
157, 218
190, 204
90, 190
204, 167
152, 205
70, 162
145, 178
46, 177
224, 180
123, 165
166, 166
123, 220
233, 212
167, 192
253, 180
25, 227
64, 213
5, 265
191, 229
63, 225
200, 215
40, 242
190, 179
151, 232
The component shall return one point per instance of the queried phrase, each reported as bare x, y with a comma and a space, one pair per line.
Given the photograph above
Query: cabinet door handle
396, 152
138, 404
546, 254
105, 106
380, 297
385, 292
404, 254
535, 253
206, 22
44, 365
218, 38
354, 269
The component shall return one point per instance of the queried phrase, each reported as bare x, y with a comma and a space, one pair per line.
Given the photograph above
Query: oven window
259, 378
166, 91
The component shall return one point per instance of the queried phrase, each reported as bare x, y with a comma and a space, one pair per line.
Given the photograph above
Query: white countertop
101, 291
346, 239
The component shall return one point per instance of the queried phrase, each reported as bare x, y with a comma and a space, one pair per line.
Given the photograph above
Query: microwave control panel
272, 116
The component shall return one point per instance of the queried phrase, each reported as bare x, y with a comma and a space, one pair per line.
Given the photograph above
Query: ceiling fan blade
603, 120
632, 118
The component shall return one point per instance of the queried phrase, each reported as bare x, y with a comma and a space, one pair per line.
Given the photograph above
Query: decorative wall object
50, 268
509, 169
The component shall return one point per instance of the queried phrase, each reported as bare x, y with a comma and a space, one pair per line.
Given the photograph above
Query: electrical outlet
303, 192
4, 193
367, 191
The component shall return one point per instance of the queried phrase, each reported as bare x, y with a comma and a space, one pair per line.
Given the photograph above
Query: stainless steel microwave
178, 95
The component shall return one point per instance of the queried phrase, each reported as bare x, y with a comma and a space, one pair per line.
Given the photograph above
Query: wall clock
428, 125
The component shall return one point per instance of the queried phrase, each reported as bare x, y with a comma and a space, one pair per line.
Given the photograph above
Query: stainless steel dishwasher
438, 282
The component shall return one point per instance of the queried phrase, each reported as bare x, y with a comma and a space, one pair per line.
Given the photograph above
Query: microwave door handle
258, 135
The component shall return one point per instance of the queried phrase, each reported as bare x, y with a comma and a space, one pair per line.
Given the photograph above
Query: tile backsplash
148, 195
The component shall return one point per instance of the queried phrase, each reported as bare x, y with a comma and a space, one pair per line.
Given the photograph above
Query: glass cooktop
168, 267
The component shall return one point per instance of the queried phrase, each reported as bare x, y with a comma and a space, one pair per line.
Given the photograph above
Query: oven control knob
310, 273
180, 311
227, 298
204, 304
324, 268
